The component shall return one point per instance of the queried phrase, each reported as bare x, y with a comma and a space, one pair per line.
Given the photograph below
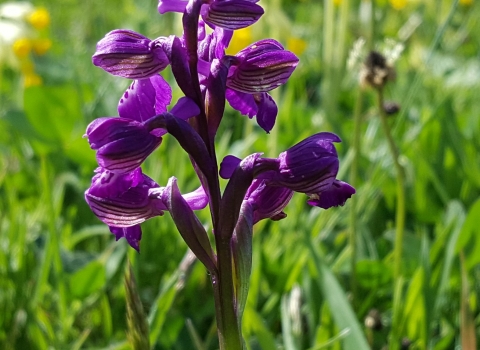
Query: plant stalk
400, 212
229, 336
399, 222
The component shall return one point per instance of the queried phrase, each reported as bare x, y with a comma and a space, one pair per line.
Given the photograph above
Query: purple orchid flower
258, 188
255, 70
123, 143
123, 201
262, 66
308, 167
228, 14
266, 201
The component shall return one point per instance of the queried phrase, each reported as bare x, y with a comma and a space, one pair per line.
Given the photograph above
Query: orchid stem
227, 323
400, 221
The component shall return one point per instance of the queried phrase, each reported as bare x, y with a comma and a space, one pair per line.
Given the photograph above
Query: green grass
62, 273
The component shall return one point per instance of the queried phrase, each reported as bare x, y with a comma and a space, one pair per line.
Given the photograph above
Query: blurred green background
62, 273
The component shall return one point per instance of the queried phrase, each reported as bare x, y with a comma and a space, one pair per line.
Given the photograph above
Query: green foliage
62, 273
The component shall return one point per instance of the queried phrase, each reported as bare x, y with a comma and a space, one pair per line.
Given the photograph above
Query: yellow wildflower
22, 47
240, 40
337, 2
296, 45
32, 79
466, 2
398, 4
40, 18
41, 45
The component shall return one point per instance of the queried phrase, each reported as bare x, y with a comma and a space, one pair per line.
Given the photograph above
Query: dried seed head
376, 71
374, 320
391, 107
405, 344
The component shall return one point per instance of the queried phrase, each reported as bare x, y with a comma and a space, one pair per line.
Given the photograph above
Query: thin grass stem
357, 120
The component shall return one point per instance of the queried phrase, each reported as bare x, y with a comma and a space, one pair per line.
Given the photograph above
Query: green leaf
53, 111
372, 274
89, 279
342, 312
254, 324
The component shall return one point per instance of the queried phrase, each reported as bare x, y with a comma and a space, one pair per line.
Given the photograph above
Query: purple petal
130, 55
132, 234
242, 102
145, 98
185, 108
171, 6
197, 199
122, 144
263, 66
127, 153
125, 208
108, 184
220, 42
268, 201
233, 14
309, 166
337, 194
261, 105
228, 166
214, 44
267, 111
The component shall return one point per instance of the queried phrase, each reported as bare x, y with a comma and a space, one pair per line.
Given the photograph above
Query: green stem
400, 212
229, 336
399, 218
357, 120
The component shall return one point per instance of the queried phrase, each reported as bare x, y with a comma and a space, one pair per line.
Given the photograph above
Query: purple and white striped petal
128, 54
130, 205
232, 14
263, 66
121, 144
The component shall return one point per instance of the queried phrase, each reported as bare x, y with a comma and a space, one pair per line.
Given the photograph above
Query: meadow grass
320, 279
